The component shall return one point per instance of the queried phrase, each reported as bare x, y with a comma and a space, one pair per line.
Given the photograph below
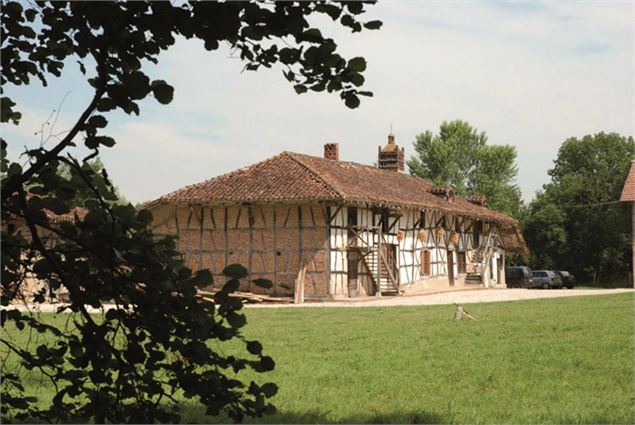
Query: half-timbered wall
412, 231
276, 241
366, 237
338, 242
272, 241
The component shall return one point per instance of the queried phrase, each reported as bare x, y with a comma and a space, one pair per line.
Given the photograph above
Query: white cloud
529, 74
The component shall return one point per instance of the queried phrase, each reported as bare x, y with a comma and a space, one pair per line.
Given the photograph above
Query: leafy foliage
460, 156
156, 343
576, 223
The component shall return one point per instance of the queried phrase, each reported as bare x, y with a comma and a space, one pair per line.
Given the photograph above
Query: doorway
353, 273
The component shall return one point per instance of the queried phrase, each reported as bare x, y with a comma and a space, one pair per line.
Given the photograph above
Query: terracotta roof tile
296, 177
628, 193
280, 178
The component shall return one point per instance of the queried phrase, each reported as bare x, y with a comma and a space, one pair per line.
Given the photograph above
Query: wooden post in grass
458, 314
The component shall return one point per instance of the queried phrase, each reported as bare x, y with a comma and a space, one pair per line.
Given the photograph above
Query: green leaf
162, 91
97, 121
267, 363
313, 35
201, 278
269, 389
235, 271
299, 88
144, 216
254, 347
236, 320
357, 79
263, 283
211, 44
231, 285
106, 104
373, 25
134, 353
357, 64
351, 100
106, 141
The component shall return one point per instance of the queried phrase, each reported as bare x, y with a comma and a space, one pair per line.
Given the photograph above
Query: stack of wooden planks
247, 297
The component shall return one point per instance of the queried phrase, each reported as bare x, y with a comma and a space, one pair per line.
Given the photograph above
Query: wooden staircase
480, 259
387, 281
388, 270
474, 277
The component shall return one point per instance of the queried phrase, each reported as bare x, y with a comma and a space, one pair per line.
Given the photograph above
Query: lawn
562, 360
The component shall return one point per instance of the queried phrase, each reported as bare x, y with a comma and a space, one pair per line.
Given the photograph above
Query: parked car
546, 279
518, 277
568, 279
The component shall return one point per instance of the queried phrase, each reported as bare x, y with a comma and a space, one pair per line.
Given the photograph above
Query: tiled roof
280, 178
78, 212
291, 177
628, 193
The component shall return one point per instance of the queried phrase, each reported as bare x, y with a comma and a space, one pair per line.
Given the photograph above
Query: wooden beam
378, 280
298, 293
337, 210
226, 238
393, 223
200, 241
300, 259
251, 244
275, 250
327, 246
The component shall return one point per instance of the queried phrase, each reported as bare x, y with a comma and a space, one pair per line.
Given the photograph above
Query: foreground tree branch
139, 360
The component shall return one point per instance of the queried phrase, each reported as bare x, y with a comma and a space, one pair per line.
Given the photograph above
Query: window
460, 259
425, 262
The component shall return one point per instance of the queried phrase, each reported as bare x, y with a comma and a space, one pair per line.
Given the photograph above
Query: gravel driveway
449, 297
459, 297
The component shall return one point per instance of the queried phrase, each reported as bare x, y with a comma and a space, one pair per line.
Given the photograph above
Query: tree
132, 363
98, 168
460, 156
577, 223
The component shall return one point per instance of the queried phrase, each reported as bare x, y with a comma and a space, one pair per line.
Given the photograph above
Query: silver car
546, 279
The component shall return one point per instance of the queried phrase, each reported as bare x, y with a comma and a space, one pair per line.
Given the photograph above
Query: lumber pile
247, 297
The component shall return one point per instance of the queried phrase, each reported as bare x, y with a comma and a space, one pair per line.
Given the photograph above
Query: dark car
546, 279
518, 277
568, 279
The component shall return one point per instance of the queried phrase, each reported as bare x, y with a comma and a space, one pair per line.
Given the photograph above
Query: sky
529, 74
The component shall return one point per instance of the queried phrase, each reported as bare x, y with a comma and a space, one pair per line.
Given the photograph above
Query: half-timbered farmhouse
330, 229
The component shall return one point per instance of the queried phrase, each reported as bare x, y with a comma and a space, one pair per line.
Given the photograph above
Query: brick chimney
332, 151
390, 157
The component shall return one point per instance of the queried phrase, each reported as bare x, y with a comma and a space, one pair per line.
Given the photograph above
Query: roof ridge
294, 157
298, 158
359, 164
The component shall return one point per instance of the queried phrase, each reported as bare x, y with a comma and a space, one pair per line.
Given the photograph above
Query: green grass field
562, 360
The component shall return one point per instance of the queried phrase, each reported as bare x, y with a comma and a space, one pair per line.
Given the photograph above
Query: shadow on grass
196, 414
